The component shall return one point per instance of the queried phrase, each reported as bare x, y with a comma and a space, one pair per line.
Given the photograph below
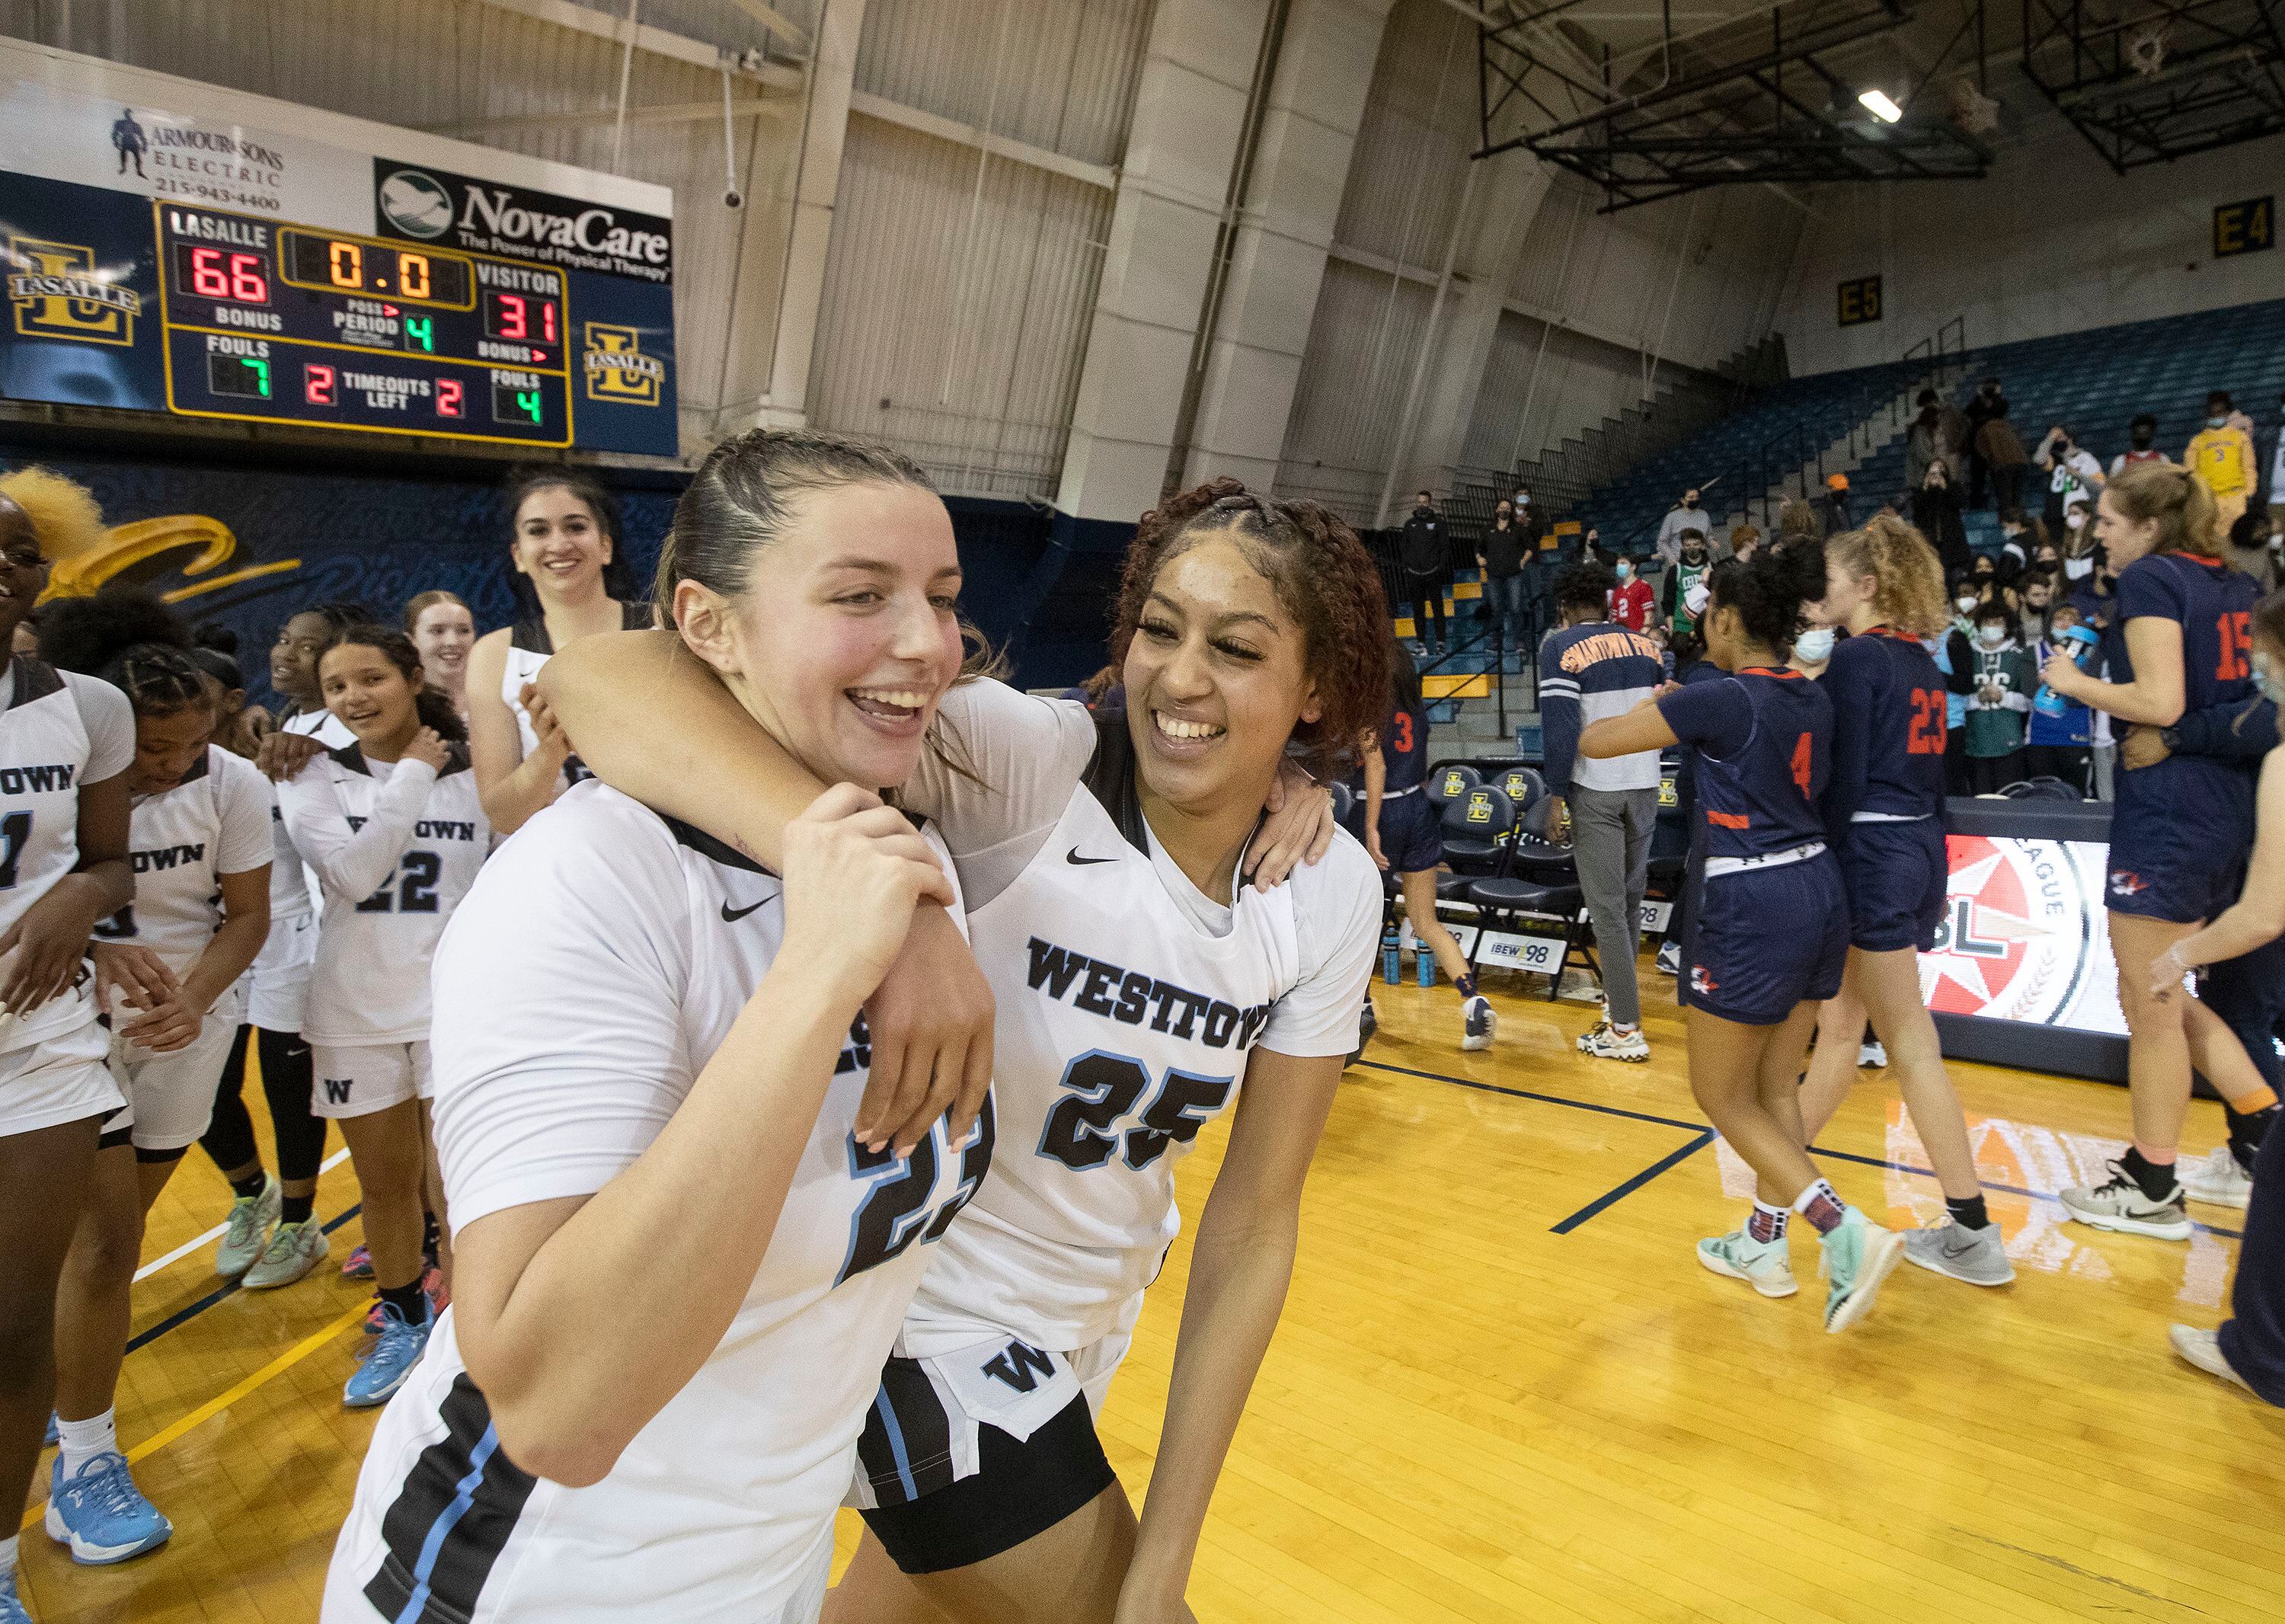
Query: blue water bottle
1425, 961
2082, 641
1390, 971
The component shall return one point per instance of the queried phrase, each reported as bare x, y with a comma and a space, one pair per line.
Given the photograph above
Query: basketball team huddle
774, 1106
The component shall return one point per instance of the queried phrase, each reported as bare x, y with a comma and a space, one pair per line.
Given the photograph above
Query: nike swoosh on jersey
731, 915
1076, 861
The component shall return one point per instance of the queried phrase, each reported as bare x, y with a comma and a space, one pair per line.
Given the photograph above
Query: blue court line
1700, 1128
1672, 1159
184, 1316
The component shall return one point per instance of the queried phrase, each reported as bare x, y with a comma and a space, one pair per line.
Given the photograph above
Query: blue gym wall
379, 532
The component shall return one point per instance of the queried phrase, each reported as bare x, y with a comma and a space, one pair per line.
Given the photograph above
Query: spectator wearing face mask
1998, 701
2000, 449
2035, 597
2083, 556
1630, 601
1675, 600
2142, 438
2059, 742
1936, 515
1423, 551
1812, 650
2073, 474
1990, 402
2221, 456
2015, 543
1684, 515
1500, 554
1954, 654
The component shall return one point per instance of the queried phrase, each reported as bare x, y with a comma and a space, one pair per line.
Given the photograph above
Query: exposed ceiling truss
1755, 97
2148, 81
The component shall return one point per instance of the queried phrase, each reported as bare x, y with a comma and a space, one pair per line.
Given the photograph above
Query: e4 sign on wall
1860, 300
2245, 228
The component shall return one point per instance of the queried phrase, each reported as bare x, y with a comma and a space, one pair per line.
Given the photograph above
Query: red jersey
1631, 604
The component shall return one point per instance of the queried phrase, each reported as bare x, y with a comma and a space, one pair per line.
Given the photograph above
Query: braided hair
1323, 577
134, 642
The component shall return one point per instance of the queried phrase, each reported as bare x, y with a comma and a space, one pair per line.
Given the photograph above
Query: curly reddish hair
1323, 577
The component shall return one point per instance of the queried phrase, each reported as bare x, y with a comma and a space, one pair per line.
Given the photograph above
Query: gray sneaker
2119, 1204
1978, 1256
293, 1251
250, 1218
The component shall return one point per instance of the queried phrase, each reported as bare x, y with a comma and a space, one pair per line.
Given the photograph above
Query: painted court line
216, 1234
1672, 1159
1700, 1128
189, 1311
214, 1406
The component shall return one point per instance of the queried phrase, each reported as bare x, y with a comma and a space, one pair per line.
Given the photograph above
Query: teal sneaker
250, 1218
11, 1610
1858, 1255
1766, 1265
395, 1352
100, 1514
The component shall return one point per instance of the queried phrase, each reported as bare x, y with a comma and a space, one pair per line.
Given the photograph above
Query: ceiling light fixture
1877, 103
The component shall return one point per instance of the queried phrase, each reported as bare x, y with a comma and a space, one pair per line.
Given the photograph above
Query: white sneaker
1870, 1053
1670, 959
2220, 1180
1766, 1265
250, 1218
1605, 1041
293, 1251
1479, 1023
2202, 1348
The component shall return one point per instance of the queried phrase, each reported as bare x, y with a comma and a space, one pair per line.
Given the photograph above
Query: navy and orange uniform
1411, 836
1769, 929
1884, 806
2183, 829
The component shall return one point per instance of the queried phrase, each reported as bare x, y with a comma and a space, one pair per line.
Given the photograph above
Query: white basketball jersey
396, 848
217, 821
1124, 1027
45, 753
596, 969
528, 647
294, 889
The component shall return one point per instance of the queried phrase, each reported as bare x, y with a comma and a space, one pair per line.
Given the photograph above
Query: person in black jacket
1423, 550
1501, 554
1936, 515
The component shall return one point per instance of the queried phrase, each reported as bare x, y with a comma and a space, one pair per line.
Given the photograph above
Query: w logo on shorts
337, 1089
1701, 983
2125, 883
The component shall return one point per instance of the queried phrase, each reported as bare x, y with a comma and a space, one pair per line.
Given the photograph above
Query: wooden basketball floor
1504, 1389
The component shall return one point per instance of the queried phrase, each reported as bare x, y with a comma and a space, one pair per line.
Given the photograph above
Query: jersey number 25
1081, 1131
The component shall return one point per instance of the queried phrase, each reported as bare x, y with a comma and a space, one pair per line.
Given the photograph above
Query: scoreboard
304, 327
165, 253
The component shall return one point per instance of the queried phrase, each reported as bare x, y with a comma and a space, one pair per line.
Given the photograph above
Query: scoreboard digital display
168, 249
279, 323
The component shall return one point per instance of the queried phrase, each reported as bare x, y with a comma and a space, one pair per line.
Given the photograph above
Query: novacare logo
594, 230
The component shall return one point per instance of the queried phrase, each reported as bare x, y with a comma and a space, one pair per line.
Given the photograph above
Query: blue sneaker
101, 1515
395, 1352
11, 1610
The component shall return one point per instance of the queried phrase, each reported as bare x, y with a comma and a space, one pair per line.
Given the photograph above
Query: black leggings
286, 1081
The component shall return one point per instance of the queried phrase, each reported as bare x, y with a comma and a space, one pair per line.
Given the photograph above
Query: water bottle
1425, 961
1390, 972
2081, 640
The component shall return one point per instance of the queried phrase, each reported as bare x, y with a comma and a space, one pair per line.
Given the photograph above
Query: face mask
1965, 603
1523, 499
1694, 555
1815, 645
2269, 679
1625, 569
1991, 637
2217, 422
2077, 521
2142, 438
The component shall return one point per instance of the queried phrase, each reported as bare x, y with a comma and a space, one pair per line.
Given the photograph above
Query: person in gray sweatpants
1591, 669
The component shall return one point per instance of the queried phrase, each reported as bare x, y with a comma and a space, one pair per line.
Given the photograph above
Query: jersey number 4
897, 1214
412, 889
1081, 1132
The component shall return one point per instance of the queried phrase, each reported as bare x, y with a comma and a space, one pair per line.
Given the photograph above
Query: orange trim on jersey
1768, 671
1885, 630
1728, 820
2210, 561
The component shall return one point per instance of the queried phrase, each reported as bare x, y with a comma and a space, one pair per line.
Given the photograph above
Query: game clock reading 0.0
349, 265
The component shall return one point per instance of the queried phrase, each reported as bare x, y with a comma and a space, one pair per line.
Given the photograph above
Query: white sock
83, 1441
8, 1555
